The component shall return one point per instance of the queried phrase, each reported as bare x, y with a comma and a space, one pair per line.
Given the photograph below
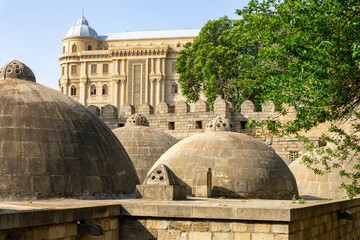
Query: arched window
63, 49
93, 90
73, 90
104, 89
89, 48
174, 88
74, 48
62, 89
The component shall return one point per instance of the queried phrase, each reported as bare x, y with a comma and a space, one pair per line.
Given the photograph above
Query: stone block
242, 236
201, 226
114, 224
183, 226
71, 229
182, 107
94, 110
57, 231
157, 224
200, 236
262, 236
127, 109
161, 192
40, 233
262, 228
220, 226
222, 236
162, 108
201, 106
145, 109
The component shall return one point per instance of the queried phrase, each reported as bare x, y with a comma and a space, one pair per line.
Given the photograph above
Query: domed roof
322, 186
241, 166
144, 144
51, 146
82, 29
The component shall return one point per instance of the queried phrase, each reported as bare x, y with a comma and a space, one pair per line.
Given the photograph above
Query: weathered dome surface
322, 186
82, 29
51, 146
143, 144
241, 166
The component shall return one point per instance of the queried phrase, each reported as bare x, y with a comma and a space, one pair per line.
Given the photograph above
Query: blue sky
31, 31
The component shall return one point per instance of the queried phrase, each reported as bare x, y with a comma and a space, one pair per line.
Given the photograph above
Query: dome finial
17, 70
220, 123
137, 120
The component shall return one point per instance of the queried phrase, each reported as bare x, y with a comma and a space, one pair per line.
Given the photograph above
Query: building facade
122, 68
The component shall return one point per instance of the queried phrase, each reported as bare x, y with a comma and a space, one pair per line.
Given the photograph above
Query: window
63, 49
62, 70
93, 90
73, 69
62, 89
243, 124
174, 88
171, 125
104, 89
293, 155
89, 48
93, 68
102, 111
198, 125
120, 125
173, 64
172, 109
73, 90
74, 48
106, 68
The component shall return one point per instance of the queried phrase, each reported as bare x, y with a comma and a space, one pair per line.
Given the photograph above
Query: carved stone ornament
17, 70
137, 120
220, 123
161, 175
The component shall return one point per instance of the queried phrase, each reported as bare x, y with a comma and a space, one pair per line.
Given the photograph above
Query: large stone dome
322, 186
144, 144
241, 166
51, 146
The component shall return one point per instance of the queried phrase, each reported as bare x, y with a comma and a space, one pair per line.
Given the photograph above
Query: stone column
122, 70
152, 92
158, 68
116, 63
158, 91
123, 93
152, 66
116, 99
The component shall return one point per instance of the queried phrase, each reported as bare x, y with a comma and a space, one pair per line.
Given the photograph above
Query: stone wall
193, 219
187, 229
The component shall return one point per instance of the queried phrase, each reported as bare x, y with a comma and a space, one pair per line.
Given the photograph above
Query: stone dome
82, 29
322, 186
241, 166
144, 144
51, 146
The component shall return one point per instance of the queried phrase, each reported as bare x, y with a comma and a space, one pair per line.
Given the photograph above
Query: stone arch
74, 48
94, 110
93, 90
110, 111
201, 106
247, 107
73, 90
162, 107
268, 106
105, 89
145, 108
174, 88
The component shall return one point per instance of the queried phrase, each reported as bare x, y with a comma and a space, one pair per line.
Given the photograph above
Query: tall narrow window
93, 90
73, 69
73, 90
174, 88
104, 89
173, 64
89, 48
62, 70
93, 68
74, 48
106, 68
63, 49
62, 89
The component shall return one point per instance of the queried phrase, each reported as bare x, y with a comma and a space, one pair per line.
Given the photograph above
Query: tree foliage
305, 53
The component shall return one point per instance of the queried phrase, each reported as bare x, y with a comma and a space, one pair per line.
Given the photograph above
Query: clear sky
31, 30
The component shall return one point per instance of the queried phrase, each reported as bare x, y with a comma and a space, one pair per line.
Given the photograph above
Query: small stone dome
144, 144
322, 186
82, 29
241, 166
18, 70
220, 123
51, 146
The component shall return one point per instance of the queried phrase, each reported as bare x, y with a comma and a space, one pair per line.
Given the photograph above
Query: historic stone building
118, 68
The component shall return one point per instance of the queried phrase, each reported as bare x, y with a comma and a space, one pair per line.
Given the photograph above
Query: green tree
305, 53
